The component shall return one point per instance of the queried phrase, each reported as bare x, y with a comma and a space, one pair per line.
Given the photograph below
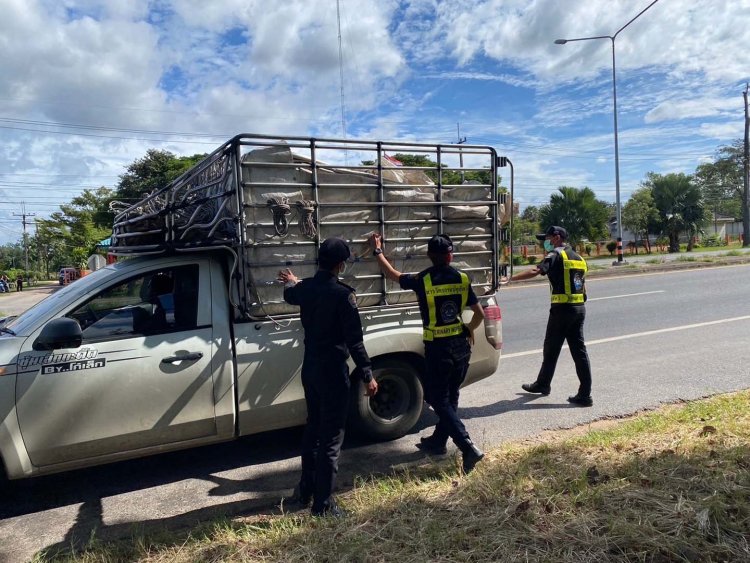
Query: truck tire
396, 407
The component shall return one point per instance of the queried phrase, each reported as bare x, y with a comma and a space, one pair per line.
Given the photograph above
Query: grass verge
670, 485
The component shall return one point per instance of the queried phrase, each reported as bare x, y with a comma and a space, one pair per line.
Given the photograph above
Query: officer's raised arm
290, 282
376, 244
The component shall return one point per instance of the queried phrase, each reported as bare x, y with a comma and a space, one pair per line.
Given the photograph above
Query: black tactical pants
326, 384
447, 362
566, 323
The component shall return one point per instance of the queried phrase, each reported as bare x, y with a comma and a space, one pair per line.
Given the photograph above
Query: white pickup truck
187, 341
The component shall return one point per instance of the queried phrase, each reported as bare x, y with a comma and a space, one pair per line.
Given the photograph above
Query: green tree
94, 205
11, 256
578, 210
448, 176
79, 225
640, 214
721, 181
524, 231
50, 247
153, 171
680, 205
531, 213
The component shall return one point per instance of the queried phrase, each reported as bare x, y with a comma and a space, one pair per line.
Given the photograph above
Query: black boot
432, 446
330, 509
471, 456
581, 400
536, 388
302, 495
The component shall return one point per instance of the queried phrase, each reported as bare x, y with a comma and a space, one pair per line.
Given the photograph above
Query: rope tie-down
281, 210
306, 212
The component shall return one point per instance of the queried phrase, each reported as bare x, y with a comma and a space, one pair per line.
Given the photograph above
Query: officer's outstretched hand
376, 241
286, 276
371, 387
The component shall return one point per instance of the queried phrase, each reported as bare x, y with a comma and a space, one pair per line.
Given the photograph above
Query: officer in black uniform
333, 330
565, 271
442, 292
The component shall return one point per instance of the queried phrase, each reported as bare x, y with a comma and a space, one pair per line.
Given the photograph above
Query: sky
88, 86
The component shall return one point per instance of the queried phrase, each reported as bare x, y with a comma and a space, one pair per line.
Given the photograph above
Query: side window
159, 302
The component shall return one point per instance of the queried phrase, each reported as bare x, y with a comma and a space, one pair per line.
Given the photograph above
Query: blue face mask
548, 246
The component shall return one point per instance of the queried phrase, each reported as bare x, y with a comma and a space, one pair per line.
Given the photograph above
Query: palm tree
578, 210
680, 206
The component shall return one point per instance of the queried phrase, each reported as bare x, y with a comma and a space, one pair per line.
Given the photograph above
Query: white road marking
638, 334
625, 295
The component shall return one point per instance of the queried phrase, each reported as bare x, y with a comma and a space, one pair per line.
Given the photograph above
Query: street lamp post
618, 207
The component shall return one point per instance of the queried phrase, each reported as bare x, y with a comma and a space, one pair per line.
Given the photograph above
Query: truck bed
271, 201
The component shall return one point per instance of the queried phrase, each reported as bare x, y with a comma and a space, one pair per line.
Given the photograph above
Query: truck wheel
396, 407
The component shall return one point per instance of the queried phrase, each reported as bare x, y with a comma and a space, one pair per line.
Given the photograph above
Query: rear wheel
396, 407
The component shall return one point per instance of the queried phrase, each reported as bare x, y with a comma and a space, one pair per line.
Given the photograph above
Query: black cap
333, 251
440, 244
552, 231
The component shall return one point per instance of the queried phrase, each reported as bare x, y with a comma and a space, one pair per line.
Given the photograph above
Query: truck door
141, 378
269, 386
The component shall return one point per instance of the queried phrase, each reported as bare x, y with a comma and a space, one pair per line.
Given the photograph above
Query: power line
492, 140
104, 128
109, 136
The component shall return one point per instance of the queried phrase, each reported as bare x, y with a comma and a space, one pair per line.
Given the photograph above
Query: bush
532, 259
611, 247
518, 260
713, 240
588, 248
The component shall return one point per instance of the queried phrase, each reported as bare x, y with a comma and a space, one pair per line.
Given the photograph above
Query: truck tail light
493, 326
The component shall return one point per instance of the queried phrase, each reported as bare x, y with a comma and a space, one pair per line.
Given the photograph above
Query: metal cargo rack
271, 201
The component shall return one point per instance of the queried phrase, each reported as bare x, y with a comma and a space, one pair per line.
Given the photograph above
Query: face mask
548, 246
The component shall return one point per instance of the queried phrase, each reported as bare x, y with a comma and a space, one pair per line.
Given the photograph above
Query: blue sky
89, 85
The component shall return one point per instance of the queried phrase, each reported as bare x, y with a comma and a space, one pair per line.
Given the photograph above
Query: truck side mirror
59, 333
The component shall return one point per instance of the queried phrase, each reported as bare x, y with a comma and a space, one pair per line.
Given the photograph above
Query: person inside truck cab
333, 330
443, 292
161, 297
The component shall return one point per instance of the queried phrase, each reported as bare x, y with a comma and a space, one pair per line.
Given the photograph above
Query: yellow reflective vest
573, 290
450, 299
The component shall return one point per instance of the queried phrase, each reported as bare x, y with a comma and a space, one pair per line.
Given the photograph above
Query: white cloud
412, 70
726, 131
704, 107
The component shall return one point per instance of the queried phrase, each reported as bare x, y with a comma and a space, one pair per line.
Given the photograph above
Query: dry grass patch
673, 485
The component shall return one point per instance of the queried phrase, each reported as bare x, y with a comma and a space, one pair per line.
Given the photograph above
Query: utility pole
40, 259
746, 177
23, 216
460, 153
341, 69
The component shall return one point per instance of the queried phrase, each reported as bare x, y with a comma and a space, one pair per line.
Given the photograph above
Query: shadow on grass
636, 498
270, 459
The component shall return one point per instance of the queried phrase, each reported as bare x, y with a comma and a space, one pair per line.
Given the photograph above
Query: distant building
723, 226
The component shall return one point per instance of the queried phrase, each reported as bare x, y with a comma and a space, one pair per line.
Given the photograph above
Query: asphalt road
652, 338
17, 302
